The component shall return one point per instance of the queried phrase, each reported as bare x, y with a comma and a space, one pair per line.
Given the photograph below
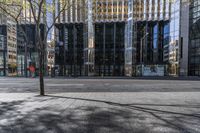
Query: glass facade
174, 38
3, 50
13, 52
118, 35
194, 44
69, 59
110, 10
11, 49
109, 49
16, 55
151, 10
26, 51
113, 37
166, 43
89, 51
129, 44
152, 42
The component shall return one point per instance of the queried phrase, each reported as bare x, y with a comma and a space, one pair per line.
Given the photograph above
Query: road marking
53, 85
16, 83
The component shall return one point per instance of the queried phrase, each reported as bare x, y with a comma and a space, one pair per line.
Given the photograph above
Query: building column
89, 49
129, 41
184, 40
145, 43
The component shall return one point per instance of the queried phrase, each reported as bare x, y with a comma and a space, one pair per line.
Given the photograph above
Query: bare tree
40, 9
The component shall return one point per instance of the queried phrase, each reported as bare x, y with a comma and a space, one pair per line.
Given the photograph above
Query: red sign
32, 68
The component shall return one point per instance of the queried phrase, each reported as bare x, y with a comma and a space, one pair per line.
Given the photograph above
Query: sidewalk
156, 112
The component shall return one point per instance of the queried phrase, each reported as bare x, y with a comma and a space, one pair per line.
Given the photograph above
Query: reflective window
194, 45
155, 37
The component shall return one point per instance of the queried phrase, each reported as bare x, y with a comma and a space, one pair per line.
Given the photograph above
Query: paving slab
133, 108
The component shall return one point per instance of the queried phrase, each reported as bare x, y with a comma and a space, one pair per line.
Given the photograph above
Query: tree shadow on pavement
112, 118
74, 120
5, 107
176, 120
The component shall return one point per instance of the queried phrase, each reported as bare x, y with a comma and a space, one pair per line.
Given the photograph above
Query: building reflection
194, 43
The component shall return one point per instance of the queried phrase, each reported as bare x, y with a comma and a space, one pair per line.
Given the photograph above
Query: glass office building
3, 51
120, 37
174, 37
194, 43
26, 50
8, 47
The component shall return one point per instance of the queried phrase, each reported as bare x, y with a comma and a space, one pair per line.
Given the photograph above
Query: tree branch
5, 7
40, 10
56, 18
32, 10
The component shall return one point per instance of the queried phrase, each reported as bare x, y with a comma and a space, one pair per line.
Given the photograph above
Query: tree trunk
41, 58
42, 93
41, 84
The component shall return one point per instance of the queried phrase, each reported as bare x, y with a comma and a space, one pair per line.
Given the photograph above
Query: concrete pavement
99, 106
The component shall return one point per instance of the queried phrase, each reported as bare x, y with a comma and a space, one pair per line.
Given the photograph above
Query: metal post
64, 58
114, 47
21, 66
141, 50
104, 45
74, 49
145, 44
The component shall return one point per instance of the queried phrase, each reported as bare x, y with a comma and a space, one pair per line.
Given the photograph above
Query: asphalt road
99, 106
12, 85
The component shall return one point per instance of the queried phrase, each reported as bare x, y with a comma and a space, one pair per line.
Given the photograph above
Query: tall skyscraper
120, 37
17, 52
194, 44
8, 48
3, 44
